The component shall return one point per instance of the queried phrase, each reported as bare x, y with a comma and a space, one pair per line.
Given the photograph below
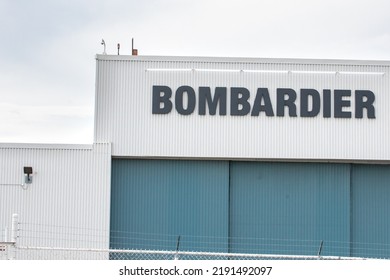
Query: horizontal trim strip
262, 71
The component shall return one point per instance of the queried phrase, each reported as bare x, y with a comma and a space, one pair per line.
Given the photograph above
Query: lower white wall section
66, 205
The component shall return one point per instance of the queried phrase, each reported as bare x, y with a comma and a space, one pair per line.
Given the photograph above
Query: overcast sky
47, 47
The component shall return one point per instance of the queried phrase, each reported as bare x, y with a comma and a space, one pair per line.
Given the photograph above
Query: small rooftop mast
133, 51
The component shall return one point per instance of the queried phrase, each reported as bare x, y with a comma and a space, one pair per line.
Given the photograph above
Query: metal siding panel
68, 203
371, 211
155, 201
289, 208
124, 111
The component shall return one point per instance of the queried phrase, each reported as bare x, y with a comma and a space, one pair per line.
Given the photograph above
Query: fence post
14, 228
320, 249
176, 257
14, 234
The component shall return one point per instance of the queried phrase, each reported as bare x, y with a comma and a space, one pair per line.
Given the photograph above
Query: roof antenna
133, 51
104, 44
119, 46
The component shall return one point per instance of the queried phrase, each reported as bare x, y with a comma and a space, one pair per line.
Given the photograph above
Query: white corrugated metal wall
124, 109
68, 202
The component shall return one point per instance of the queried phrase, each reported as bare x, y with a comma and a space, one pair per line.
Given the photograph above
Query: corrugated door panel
371, 211
289, 208
156, 201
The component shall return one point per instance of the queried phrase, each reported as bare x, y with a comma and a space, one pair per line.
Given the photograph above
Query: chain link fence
35, 241
47, 253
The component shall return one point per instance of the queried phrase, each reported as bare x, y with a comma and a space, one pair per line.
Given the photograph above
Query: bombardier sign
244, 108
331, 103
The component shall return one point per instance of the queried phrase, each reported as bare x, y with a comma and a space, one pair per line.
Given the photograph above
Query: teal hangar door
154, 202
335, 209
289, 208
370, 211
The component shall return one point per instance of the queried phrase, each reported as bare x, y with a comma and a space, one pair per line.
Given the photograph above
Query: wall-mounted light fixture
28, 171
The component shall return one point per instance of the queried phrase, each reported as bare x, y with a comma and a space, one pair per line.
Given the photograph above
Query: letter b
239, 98
163, 99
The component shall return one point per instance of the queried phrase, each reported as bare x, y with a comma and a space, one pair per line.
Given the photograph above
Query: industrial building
244, 155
